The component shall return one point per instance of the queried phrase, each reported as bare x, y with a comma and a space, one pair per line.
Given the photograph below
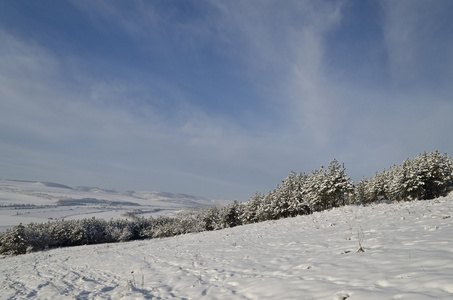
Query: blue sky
220, 98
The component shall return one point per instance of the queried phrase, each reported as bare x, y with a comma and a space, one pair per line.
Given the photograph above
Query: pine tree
360, 191
298, 204
230, 215
314, 190
211, 219
14, 241
437, 174
339, 185
249, 214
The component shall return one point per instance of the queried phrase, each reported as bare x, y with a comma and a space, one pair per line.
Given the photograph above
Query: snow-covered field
408, 255
32, 201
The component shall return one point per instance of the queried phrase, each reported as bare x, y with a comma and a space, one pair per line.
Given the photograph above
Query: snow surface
408, 255
32, 201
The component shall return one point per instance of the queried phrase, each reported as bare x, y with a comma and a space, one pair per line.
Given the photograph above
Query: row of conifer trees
427, 176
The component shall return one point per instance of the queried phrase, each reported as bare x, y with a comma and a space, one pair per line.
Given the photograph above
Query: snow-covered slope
408, 255
33, 201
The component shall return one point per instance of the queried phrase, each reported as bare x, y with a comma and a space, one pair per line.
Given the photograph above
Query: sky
220, 99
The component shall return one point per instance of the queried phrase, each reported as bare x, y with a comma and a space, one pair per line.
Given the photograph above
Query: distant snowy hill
33, 201
408, 254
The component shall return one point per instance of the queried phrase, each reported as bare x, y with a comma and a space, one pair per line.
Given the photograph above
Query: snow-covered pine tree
298, 204
249, 214
361, 191
339, 185
230, 214
409, 181
282, 198
314, 189
290, 196
437, 174
14, 241
265, 210
211, 218
394, 189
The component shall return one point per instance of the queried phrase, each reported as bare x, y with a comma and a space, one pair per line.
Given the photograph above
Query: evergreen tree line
428, 176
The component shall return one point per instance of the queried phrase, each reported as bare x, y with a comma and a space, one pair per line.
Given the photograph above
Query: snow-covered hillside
408, 254
32, 201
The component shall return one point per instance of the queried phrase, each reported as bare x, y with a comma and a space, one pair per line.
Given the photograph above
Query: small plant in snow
360, 237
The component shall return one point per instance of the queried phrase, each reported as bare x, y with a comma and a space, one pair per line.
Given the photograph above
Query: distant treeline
427, 176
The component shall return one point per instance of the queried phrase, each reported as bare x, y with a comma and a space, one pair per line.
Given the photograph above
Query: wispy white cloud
279, 47
97, 131
282, 47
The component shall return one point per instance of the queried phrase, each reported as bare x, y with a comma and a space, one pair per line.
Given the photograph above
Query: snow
31, 201
408, 255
